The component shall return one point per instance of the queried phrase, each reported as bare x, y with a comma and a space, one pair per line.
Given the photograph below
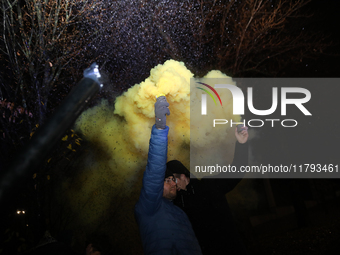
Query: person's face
169, 190
182, 181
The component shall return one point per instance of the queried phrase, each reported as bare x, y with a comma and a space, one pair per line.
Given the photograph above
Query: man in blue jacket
164, 228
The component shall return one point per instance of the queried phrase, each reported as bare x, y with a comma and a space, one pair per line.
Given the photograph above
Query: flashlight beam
43, 142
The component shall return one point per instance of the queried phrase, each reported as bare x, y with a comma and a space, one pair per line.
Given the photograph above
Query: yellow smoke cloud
202, 129
120, 135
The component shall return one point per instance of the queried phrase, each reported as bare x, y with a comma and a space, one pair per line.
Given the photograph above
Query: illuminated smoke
119, 138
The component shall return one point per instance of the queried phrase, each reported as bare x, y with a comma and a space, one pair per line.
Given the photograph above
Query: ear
187, 179
89, 249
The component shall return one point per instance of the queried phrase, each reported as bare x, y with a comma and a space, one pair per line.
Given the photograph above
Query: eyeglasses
170, 179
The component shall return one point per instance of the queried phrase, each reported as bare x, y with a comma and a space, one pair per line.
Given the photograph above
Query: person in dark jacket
205, 203
164, 228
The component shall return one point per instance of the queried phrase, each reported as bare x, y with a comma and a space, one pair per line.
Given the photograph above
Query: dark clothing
164, 228
205, 204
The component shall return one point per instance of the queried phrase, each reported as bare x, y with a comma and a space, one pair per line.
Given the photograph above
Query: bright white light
96, 72
23, 212
18, 212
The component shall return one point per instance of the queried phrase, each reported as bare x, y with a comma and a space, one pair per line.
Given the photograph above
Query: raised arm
241, 148
224, 185
153, 179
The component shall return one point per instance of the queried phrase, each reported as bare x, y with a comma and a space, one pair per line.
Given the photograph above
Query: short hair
176, 167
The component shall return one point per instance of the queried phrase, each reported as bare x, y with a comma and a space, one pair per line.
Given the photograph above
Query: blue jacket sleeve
153, 179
